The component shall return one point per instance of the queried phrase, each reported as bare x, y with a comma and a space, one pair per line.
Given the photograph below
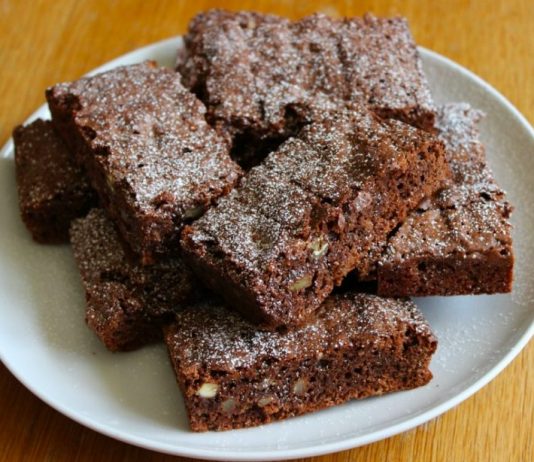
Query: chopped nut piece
300, 387
208, 390
301, 283
109, 183
319, 247
228, 405
265, 401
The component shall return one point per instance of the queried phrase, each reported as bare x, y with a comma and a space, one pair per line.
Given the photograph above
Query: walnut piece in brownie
313, 211
148, 150
126, 303
52, 189
459, 242
233, 375
262, 77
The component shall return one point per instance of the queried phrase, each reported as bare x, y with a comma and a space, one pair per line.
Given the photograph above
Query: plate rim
321, 448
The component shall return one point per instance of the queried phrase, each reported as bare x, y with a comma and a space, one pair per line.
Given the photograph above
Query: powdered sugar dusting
216, 339
45, 168
468, 217
308, 215
247, 237
261, 73
326, 163
149, 134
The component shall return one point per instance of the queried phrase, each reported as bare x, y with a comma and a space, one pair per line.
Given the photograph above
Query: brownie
52, 189
233, 375
381, 63
313, 211
126, 303
262, 77
459, 242
148, 150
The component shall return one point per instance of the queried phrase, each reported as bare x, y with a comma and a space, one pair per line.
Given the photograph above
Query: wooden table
44, 42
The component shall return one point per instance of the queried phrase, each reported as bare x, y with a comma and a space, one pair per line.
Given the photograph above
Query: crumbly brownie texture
460, 241
52, 189
262, 76
233, 375
148, 150
126, 303
312, 212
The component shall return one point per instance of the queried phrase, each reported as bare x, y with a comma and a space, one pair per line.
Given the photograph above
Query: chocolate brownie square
52, 189
233, 375
459, 242
262, 77
154, 161
126, 303
313, 211
382, 64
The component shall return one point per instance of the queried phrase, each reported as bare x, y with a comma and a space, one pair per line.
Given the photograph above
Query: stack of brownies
220, 206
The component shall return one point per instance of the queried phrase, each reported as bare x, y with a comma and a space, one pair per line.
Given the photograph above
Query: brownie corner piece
233, 375
149, 153
127, 303
459, 241
52, 189
482, 263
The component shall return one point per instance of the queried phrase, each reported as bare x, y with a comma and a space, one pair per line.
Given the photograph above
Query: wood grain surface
44, 42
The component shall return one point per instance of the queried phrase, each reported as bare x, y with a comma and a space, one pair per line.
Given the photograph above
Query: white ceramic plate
133, 396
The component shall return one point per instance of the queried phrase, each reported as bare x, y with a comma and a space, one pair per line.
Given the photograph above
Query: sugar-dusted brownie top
472, 179
469, 218
264, 75
381, 63
298, 223
209, 337
335, 156
470, 227
148, 144
52, 188
126, 302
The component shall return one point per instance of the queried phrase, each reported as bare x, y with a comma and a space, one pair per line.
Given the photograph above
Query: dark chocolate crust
52, 189
313, 211
126, 303
148, 150
262, 77
459, 242
232, 375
